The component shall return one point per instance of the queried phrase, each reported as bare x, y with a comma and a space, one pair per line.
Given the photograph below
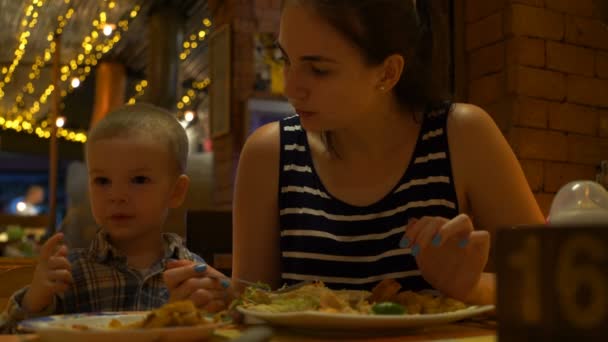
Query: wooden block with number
552, 283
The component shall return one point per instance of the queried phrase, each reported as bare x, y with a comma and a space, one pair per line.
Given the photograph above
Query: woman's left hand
450, 254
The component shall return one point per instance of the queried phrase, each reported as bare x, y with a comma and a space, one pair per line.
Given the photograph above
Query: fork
259, 286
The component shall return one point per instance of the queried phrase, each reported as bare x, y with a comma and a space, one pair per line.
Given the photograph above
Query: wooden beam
24, 221
53, 156
31, 144
110, 85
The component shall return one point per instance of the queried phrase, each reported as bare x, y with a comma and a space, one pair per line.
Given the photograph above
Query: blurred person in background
29, 204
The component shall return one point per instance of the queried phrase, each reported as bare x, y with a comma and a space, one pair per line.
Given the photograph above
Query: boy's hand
52, 275
200, 283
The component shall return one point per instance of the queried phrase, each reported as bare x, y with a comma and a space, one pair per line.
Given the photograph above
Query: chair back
13, 278
209, 234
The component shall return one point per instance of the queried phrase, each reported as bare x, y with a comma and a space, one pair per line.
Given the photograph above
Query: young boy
136, 159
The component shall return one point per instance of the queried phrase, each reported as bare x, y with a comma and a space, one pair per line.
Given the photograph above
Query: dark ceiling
131, 50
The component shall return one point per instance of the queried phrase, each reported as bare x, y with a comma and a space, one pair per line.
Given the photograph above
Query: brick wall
540, 67
245, 17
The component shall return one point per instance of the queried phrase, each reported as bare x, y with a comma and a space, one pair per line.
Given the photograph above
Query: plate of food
315, 306
178, 321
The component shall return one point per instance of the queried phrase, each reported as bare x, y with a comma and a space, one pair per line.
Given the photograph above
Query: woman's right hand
52, 275
450, 254
206, 287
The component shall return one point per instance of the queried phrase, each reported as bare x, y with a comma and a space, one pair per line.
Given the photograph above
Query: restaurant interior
539, 68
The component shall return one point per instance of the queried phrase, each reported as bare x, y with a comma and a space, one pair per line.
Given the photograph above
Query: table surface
469, 331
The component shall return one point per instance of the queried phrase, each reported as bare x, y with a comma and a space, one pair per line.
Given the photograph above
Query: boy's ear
179, 191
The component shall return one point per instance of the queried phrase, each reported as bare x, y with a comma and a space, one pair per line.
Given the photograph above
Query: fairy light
191, 94
41, 61
43, 131
108, 29
194, 39
92, 52
74, 68
192, 43
201, 84
28, 23
189, 116
75, 83
60, 122
140, 89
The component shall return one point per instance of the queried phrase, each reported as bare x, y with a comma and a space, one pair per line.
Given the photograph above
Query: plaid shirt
104, 282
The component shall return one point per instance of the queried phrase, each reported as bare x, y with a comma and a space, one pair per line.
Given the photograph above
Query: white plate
59, 329
350, 322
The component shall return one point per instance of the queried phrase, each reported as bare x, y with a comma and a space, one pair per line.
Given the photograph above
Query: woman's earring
382, 88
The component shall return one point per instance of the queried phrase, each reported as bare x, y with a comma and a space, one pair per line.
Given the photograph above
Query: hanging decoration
94, 47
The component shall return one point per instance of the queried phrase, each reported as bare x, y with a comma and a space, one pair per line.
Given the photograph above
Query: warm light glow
189, 116
108, 29
60, 121
75, 82
21, 206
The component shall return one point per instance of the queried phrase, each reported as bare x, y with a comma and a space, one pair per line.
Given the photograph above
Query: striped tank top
354, 247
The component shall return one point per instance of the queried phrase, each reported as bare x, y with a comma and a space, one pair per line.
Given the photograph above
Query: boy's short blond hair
144, 119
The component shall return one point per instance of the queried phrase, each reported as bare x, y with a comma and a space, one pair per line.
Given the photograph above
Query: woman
376, 177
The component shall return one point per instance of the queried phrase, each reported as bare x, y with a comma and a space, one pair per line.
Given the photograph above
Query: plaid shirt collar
102, 250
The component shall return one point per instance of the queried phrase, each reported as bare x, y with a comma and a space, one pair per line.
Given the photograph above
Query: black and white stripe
323, 238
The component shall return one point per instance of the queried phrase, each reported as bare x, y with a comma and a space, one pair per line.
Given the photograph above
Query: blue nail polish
404, 242
225, 283
415, 250
200, 268
463, 243
436, 240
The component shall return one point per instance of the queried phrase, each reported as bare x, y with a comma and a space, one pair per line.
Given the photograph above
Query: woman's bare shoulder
470, 128
488, 169
264, 140
466, 116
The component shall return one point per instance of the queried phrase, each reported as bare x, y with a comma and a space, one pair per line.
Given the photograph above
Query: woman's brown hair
381, 28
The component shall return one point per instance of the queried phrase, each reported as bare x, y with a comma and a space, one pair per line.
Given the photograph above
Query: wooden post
53, 155
110, 85
165, 38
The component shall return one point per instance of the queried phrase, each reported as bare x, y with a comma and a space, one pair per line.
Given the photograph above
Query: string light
108, 29
60, 122
189, 116
191, 44
75, 82
191, 94
140, 89
28, 23
89, 57
201, 84
194, 39
41, 60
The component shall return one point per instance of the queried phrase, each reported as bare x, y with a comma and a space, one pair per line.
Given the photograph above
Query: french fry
386, 290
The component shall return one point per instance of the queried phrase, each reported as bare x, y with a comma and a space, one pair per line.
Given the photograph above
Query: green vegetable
388, 308
15, 233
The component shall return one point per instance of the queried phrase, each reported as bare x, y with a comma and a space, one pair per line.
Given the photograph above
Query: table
461, 332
